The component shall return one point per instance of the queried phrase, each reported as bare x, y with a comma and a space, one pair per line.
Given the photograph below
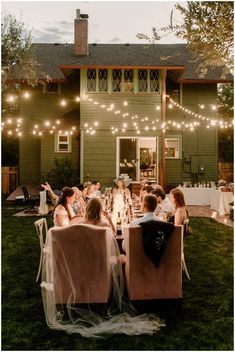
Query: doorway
137, 157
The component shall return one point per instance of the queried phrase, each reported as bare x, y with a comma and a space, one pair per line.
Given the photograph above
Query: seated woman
63, 211
87, 191
180, 211
95, 215
79, 204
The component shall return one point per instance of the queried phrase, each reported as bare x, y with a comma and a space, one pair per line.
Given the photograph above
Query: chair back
80, 267
143, 279
41, 228
25, 193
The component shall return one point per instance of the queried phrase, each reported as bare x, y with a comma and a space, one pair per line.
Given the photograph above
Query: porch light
77, 99
202, 106
158, 108
125, 103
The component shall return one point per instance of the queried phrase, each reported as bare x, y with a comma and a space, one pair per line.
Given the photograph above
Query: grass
204, 322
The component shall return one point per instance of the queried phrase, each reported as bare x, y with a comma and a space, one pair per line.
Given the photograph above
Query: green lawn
204, 322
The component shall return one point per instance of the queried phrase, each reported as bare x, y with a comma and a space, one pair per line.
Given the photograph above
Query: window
117, 78
127, 81
143, 80
91, 80
103, 80
154, 80
122, 81
63, 143
172, 148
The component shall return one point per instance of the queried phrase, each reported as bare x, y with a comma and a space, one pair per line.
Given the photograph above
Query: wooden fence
10, 179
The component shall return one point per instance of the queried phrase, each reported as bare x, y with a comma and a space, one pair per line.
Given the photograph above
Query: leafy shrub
63, 174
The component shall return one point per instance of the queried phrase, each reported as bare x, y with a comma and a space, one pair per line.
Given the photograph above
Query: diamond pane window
154, 81
91, 80
128, 81
142, 82
117, 77
103, 80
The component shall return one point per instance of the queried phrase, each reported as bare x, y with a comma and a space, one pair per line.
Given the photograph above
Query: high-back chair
79, 262
41, 228
145, 281
32, 200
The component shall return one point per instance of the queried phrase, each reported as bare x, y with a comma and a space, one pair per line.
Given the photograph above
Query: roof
55, 59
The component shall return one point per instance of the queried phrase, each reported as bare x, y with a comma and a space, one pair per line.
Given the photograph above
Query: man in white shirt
148, 208
164, 206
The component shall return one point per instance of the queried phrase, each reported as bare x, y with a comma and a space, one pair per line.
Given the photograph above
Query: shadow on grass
203, 320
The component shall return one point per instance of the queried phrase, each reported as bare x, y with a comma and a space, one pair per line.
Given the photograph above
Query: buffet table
197, 195
218, 200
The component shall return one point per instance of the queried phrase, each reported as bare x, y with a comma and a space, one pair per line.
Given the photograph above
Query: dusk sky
109, 21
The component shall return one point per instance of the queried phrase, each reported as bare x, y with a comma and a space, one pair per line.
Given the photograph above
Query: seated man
148, 207
164, 206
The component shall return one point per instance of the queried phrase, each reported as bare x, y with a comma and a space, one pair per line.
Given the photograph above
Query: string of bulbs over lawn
14, 126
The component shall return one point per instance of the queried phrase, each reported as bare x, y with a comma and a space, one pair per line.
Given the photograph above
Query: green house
137, 109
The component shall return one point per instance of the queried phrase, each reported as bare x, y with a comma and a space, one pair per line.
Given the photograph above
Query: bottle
119, 225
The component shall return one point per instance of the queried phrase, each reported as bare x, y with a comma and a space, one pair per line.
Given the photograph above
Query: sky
109, 21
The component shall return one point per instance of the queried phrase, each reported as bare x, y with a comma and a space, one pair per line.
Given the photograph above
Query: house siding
98, 159
38, 153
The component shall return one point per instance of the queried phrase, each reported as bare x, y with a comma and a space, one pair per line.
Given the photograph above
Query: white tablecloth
219, 201
197, 195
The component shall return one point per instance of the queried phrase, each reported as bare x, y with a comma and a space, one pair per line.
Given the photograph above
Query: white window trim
57, 143
171, 138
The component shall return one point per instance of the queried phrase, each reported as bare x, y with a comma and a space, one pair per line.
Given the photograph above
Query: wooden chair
145, 281
41, 228
80, 272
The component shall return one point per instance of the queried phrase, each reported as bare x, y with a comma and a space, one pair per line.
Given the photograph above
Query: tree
207, 28
16, 51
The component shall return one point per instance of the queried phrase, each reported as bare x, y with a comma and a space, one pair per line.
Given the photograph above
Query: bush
62, 174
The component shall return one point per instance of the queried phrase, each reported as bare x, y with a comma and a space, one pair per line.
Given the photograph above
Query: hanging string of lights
132, 122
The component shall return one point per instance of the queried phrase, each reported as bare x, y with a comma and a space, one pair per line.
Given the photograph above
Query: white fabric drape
118, 316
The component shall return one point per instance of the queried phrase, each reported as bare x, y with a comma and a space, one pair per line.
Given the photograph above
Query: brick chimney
81, 34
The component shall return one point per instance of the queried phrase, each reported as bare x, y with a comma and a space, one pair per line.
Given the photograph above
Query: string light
155, 123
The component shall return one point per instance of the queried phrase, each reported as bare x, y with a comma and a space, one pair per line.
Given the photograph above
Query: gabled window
63, 143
